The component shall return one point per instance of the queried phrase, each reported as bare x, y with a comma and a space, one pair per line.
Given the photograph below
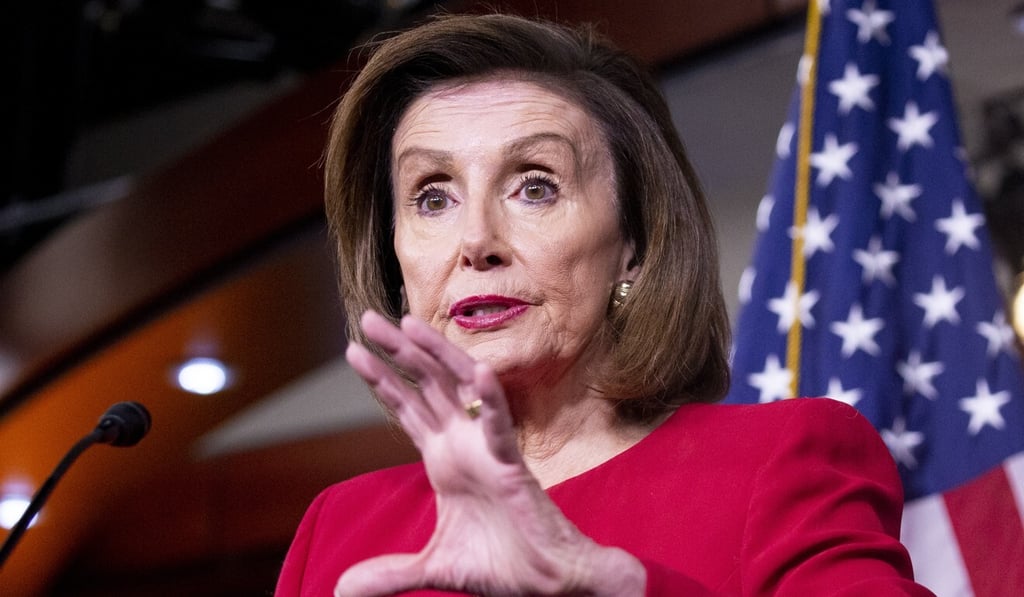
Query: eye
538, 189
432, 200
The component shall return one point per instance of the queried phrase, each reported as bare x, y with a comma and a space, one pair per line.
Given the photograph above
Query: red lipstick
486, 311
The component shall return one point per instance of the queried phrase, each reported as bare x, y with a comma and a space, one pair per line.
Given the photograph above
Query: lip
510, 308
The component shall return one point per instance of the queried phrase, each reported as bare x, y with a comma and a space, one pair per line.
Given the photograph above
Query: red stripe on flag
989, 530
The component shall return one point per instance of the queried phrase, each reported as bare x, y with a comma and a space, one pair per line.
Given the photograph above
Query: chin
504, 359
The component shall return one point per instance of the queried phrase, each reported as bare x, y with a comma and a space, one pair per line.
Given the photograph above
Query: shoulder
395, 482
796, 431
825, 423
388, 507
794, 440
389, 510
810, 416
774, 412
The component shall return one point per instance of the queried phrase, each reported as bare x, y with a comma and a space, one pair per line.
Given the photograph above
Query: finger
380, 330
392, 390
501, 438
384, 575
427, 370
430, 340
472, 388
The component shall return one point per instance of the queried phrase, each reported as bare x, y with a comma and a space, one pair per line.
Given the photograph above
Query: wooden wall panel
270, 322
105, 272
224, 510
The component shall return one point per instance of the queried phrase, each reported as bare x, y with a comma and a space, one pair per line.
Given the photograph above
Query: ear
629, 267
404, 300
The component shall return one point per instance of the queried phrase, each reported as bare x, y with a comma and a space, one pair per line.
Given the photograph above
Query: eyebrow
436, 156
516, 148
521, 146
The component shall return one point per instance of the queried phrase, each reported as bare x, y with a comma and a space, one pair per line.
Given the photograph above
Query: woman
518, 191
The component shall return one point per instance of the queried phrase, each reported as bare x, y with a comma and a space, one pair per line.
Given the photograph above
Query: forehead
493, 112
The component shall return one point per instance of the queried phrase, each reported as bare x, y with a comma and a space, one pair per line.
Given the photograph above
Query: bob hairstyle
670, 338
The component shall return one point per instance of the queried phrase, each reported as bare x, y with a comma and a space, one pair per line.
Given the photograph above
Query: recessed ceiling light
11, 509
203, 376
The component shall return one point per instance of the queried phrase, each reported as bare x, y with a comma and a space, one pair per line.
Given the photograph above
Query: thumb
384, 575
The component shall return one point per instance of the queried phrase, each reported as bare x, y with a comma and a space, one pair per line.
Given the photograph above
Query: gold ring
473, 408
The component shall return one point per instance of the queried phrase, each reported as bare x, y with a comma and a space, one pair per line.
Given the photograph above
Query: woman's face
506, 224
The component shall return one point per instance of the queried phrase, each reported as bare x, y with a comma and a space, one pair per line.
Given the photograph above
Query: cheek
578, 270
417, 272
594, 246
422, 277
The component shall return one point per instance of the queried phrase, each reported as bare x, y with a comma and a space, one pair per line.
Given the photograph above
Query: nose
484, 235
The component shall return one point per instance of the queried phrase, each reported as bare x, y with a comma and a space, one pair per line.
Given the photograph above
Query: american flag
872, 283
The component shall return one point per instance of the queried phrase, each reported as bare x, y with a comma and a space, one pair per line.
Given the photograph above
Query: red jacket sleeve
665, 582
825, 512
823, 516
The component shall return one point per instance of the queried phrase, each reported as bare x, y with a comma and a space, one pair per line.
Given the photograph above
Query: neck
566, 429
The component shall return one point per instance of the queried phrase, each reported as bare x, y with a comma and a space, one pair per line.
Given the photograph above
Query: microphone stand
44, 492
124, 424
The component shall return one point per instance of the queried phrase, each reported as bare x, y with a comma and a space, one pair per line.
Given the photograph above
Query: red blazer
798, 497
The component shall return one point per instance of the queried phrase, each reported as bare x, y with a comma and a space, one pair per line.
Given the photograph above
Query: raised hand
497, 532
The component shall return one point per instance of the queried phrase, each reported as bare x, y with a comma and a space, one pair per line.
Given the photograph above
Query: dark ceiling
73, 64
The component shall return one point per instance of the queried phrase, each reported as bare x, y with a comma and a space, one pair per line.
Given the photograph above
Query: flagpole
802, 194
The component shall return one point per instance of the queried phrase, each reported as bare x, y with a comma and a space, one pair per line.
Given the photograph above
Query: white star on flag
852, 90
784, 140
931, 57
896, 197
871, 23
913, 128
764, 212
831, 160
858, 333
984, 408
746, 284
817, 233
824, 7
803, 69
901, 443
999, 334
836, 392
959, 228
773, 382
790, 309
917, 376
940, 303
877, 263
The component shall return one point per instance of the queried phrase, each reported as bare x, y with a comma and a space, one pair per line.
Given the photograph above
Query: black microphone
124, 424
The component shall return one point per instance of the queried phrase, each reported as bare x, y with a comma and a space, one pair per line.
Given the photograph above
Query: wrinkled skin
497, 531
505, 199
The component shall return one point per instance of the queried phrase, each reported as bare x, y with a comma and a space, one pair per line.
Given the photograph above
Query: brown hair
671, 336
